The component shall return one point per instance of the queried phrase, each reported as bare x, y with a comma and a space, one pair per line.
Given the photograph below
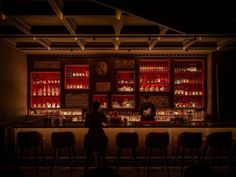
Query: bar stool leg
167, 162
118, 158
53, 161
149, 161
36, 160
176, 156
182, 163
71, 164
135, 160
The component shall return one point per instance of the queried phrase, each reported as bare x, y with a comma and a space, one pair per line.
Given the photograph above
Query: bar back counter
111, 130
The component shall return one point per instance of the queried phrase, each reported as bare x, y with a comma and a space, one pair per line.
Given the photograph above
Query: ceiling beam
154, 41
23, 26
68, 23
187, 43
225, 42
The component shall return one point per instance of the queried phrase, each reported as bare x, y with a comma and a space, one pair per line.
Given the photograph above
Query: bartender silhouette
147, 109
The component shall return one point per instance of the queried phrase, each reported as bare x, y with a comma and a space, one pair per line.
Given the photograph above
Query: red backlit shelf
77, 77
189, 84
154, 76
45, 90
123, 101
102, 99
125, 81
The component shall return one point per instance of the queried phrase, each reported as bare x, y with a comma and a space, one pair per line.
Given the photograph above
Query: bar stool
188, 140
62, 140
159, 141
217, 141
30, 140
127, 140
95, 143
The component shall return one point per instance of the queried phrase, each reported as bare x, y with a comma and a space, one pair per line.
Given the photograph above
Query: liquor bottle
44, 91
49, 91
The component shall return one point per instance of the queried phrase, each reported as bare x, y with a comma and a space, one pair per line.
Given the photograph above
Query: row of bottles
153, 67
46, 91
154, 88
188, 67
125, 81
45, 104
71, 73
78, 85
188, 103
188, 90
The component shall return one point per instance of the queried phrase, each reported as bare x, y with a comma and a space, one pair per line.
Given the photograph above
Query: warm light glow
150, 48
184, 48
218, 48
82, 48
117, 38
3, 17
49, 48
200, 38
61, 16
35, 38
76, 38
159, 38
116, 48
118, 14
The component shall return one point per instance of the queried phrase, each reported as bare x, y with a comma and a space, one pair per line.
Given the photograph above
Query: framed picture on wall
127, 64
103, 86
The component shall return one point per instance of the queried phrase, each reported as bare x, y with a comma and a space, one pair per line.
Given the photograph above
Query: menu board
47, 65
76, 100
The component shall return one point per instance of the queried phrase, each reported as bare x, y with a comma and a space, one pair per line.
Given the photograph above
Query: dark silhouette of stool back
102, 171
95, 142
220, 139
63, 139
157, 140
127, 140
190, 140
29, 139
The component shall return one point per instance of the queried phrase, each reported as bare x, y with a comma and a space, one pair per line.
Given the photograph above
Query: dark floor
124, 172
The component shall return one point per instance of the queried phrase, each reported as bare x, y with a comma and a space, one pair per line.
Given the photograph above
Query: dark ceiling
188, 16
41, 25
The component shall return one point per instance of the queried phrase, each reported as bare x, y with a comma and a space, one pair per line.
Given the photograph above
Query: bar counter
111, 130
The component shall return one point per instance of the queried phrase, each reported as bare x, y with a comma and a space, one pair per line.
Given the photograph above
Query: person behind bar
147, 109
95, 119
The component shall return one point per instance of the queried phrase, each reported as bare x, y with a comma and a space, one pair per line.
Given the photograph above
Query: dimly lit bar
99, 87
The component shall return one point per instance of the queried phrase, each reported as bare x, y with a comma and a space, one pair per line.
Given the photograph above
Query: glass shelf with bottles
102, 99
189, 84
154, 76
123, 101
45, 90
77, 77
65, 115
126, 81
188, 115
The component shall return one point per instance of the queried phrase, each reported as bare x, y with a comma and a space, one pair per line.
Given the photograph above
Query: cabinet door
76, 77
123, 101
102, 99
45, 89
189, 84
125, 81
154, 76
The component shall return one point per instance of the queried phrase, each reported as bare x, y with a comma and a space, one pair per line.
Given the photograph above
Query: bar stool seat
95, 143
154, 140
188, 140
30, 140
61, 140
217, 141
127, 140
